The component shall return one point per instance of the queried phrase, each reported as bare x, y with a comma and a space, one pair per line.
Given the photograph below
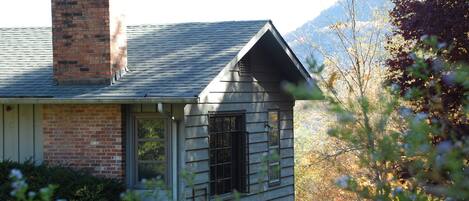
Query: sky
286, 15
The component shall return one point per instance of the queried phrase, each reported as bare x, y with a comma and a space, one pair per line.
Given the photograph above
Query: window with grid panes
151, 149
228, 153
274, 147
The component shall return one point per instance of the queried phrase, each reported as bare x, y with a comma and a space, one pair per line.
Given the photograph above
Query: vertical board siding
11, 142
26, 132
254, 92
21, 132
38, 135
2, 136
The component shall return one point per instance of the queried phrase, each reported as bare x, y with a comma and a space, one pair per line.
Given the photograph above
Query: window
274, 147
228, 153
151, 149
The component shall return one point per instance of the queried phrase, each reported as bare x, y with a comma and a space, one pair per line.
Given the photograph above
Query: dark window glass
148, 170
274, 172
151, 149
227, 154
151, 128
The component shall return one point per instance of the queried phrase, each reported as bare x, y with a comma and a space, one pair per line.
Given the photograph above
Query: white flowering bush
21, 191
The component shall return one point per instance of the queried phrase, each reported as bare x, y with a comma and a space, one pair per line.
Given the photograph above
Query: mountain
317, 32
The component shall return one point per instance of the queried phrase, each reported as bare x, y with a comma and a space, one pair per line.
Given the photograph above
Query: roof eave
145, 100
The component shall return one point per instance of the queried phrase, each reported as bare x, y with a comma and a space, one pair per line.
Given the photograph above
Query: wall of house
88, 137
21, 137
255, 90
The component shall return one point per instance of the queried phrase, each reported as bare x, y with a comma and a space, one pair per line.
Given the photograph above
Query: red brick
66, 144
89, 41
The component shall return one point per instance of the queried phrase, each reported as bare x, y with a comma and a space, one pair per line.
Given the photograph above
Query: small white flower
440, 161
397, 191
405, 112
408, 94
44, 190
395, 87
424, 37
18, 184
406, 146
343, 181
420, 116
15, 173
449, 78
442, 45
438, 65
31, 194
444, 147
413, 56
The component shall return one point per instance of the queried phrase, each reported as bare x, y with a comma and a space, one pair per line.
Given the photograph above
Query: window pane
220, 172
274, 138
151, 128
233, 124
213, 156
227, 171
154, 151
226, 164
219, 125
226, 124
227, 186
213, 140
211, 124
274, 147
274, 154
151, 171
226, 140
273, 119
274, 172
224, 155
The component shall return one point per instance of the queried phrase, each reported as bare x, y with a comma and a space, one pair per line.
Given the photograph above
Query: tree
448, 21
408, 142
428, 65
351, 73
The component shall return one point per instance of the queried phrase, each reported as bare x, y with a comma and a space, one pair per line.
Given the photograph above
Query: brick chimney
89, 41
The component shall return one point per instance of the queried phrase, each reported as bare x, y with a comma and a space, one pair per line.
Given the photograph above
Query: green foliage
70, 184
20, 189
403, 161
157, 189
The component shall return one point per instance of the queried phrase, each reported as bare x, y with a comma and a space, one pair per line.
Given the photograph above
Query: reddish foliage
448, 20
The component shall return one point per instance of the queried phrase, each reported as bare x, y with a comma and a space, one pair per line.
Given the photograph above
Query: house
139, 102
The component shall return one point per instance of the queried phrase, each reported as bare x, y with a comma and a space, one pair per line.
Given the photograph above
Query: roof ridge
152, 25
198, 23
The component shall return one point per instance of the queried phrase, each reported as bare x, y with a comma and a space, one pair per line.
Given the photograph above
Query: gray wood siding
21, 137
255, 92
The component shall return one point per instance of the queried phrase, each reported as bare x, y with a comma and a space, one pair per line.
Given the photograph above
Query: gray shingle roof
174, 60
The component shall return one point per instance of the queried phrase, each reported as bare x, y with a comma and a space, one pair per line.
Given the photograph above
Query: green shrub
72, 185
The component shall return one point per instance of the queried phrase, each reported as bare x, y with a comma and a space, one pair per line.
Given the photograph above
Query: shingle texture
174, 60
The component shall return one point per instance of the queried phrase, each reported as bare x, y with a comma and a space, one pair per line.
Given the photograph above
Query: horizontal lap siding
21, 137
255, 93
